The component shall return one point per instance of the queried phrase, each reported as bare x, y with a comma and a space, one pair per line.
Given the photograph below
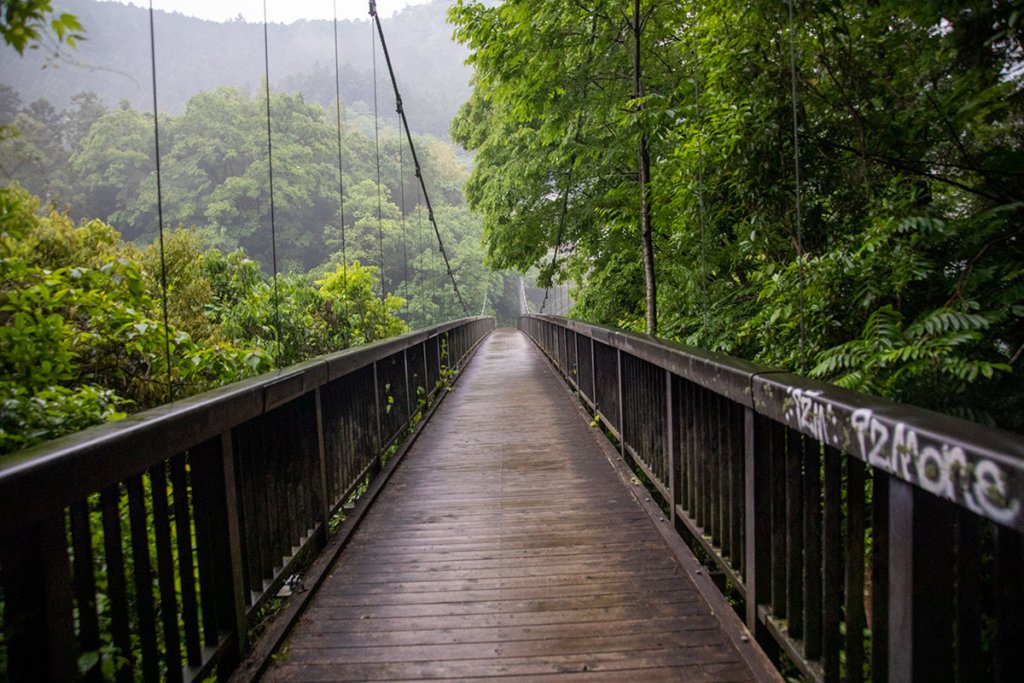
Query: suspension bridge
561, 501
571, 500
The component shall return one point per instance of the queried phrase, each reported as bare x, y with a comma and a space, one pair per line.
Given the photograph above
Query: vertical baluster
692, 470
707, 460
778, 474
721, 477
672, 444
880, 585
854, 570
968, 595
378, 445
117, 584
143, 575
426, 372
282, 510
833, 587
576, 364
933, 589
165, 571
309, 484
724, 477
1009, 606
757, 502
408, 380
325, 486
811, 453
736, 487
618, 390
265, 500
183, 532
85, 584
251, 503
901, 580
683, 438
282, 463
700, 458
656, 437
229, 545
593, 373
625, 401
202, 495
794, 535
713, 458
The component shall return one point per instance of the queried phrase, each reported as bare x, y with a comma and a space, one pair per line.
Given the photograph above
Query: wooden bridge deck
509, 544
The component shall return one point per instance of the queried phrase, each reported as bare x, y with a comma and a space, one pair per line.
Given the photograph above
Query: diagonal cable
415, 159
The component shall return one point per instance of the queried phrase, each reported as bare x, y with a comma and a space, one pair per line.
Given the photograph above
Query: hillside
194, 55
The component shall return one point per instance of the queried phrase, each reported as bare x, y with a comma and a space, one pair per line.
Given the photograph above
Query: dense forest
81, 271
838, 192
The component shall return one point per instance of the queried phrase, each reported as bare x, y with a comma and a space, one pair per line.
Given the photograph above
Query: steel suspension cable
796, 166
376, 146
160, 205
341, 173
700, 180
412, 150
270, 170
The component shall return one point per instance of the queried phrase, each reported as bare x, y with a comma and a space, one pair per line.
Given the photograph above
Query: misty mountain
195, 55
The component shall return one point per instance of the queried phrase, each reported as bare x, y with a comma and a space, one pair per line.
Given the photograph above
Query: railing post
325, 512
234, 539
38, 621
757, 464
920, 585
901, 567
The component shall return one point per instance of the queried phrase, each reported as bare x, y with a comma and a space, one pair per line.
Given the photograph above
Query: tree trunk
645, 185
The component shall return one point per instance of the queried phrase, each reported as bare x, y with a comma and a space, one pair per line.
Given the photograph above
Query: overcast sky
283, 11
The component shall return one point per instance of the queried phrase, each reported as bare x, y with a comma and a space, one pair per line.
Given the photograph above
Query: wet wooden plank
507, 546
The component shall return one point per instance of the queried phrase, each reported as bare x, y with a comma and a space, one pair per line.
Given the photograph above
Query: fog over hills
195, 55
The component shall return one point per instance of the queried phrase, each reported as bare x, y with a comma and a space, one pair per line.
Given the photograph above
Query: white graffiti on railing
942, 469
813, 417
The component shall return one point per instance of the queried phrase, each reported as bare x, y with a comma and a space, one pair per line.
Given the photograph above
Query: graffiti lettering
812, 416
942, 469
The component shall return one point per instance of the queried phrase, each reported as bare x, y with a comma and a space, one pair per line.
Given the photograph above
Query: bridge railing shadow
862, 539
153, 547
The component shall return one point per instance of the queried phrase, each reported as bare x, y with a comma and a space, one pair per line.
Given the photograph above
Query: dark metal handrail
783, 480
254, 471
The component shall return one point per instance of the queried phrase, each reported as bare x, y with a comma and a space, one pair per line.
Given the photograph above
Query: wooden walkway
509, 545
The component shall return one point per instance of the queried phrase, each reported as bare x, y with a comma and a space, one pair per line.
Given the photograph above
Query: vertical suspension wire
270, 172
401, 194
419, 227
341, 172
700, 181
376, 146
160, 205
796, 166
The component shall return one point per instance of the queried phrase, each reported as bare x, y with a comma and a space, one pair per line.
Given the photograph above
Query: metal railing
157, 542
868, 540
